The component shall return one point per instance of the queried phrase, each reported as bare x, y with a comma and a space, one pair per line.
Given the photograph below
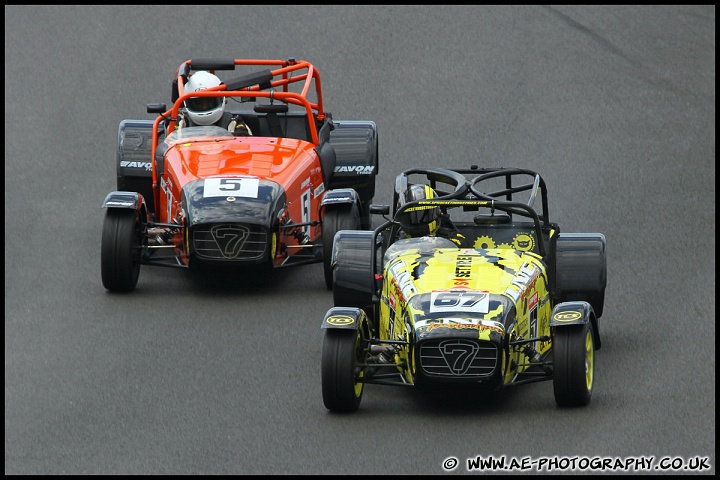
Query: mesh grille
230, 242
458, 358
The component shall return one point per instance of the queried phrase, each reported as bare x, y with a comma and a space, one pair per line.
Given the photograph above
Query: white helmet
204, 110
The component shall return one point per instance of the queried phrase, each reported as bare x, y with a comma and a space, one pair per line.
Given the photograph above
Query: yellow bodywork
471, 277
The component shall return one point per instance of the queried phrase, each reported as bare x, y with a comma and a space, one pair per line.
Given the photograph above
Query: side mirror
379, 209
156, 108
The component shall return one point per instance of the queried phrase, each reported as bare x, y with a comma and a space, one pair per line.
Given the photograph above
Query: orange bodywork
289, 162
297, 73
240, 177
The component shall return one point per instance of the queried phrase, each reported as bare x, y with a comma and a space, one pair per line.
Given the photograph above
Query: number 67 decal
478, 302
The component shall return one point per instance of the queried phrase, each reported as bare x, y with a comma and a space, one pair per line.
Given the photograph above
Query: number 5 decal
229, 184
305, 199
231, 187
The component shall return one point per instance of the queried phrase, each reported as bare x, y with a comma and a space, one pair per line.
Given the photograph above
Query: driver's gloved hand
238, 127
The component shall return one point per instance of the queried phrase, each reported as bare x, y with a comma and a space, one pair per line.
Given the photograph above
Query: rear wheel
336, 218
120, 253
573, 365
342, 386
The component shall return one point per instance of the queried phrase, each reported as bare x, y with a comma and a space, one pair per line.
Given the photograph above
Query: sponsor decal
166, 184
523, 242
337, 199
462, 266
231, 187
126, 164
462, 270
320, 189
391, 323
419, 207
533, 301
167, 188
305, 211
357, 169
525, 277
230, 239
340, 320
460, 324
567, 316
403, 279
484, 241
392, 304
458, 355
474, 203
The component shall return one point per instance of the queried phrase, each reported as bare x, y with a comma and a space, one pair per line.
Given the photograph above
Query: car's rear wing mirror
491, 219
379, 209
156, 108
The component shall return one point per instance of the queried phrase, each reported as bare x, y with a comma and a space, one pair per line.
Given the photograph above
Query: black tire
341, 390
120, 249
340, 217
353, 275
581, 269
573, 365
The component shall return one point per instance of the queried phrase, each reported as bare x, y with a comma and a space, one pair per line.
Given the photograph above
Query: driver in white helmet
209, 110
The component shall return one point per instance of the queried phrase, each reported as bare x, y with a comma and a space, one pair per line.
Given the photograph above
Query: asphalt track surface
614, 105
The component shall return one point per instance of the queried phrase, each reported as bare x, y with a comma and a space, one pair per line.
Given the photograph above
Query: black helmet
420, 220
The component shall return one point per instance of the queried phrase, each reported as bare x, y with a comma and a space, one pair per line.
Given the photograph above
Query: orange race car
209, 184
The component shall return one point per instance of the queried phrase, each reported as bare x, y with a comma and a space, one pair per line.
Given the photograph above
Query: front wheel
573, 365
121, 248
336, 218
342, 385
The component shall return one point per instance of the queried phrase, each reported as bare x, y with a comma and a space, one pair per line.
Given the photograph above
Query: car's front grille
230, 242
458, 358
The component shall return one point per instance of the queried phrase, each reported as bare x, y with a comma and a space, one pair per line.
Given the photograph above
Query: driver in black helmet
429, 221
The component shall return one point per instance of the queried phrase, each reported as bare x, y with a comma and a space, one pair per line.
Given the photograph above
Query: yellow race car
467, 284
